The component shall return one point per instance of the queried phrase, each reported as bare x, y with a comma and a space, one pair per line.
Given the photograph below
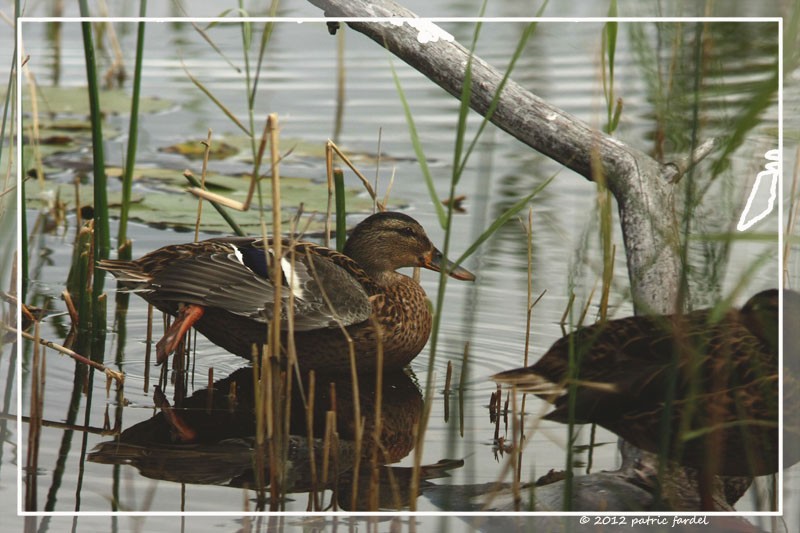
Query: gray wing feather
221, 280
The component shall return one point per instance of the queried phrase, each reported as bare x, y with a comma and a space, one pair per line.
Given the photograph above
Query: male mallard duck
224, 288
724, 409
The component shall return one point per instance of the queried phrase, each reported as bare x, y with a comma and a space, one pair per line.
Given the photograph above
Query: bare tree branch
638, 182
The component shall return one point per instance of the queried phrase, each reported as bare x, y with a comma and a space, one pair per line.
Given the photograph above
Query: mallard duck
723, 416
225, 289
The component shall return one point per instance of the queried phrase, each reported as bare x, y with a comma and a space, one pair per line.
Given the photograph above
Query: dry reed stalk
377, 171
329, 208
588, 304
259, 156
516, 452
332, 454
389, 187
313, 499
116, 69
275, 330
417, 435
260, 423
446, 393
119, 377
78, 214
364, 181
330, 427
32, 85
462, 386
35, 424
498, 484
374, 489
105, 432
247, 523
148, 347
71, 311
277, 433
286, 383
357, 420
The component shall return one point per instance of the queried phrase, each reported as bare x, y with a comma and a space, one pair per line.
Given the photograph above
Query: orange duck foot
181, 430
187, 317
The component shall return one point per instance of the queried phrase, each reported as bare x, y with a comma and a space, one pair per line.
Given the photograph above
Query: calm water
298, 83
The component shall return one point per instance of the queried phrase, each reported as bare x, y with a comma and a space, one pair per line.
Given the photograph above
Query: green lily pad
59, 135
75, 101
197, 150
160, 199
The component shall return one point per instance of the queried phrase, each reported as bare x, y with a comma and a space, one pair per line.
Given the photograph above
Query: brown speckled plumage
229, 282
724, 413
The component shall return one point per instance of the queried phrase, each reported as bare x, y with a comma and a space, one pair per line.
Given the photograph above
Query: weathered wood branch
639, 183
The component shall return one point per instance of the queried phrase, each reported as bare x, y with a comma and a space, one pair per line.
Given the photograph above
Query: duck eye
407, 231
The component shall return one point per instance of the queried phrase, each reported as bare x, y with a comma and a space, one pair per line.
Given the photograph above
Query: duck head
386, 241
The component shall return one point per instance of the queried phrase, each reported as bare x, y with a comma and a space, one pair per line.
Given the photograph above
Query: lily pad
58, 136
197, 149
160, 199
75, 101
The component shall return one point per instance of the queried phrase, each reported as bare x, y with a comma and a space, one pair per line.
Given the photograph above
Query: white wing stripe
292, 278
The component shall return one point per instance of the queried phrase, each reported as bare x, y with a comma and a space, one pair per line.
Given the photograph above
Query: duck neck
387, 278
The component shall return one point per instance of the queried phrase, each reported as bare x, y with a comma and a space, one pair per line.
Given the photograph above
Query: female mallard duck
723, 416
225, 289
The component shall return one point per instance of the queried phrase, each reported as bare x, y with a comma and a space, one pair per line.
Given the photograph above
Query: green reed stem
133, 136
604, 197
266, 33
247, 37
10, 88
23, 251
102, 240
610, 47
420, 153
341, 211
526, 35
78, 283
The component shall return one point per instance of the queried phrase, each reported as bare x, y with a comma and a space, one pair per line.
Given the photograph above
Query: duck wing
233, 274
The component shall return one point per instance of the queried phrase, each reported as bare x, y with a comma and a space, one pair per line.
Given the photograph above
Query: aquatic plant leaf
160, 199
74, 101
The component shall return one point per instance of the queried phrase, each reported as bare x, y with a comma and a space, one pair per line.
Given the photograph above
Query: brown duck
700, 387
225, 289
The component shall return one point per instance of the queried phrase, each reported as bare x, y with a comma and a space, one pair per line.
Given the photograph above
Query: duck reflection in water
210, 439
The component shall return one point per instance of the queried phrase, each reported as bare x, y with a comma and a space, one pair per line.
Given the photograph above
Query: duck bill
435, 261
